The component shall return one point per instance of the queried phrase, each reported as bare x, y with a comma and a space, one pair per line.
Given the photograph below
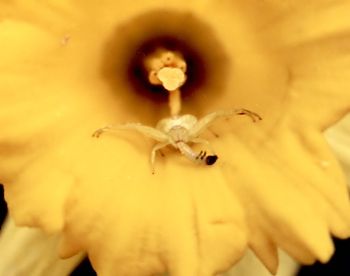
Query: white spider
178, 131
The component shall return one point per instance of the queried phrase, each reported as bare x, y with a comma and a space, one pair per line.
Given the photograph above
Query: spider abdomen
186, 121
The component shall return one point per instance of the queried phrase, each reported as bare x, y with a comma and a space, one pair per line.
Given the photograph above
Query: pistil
168, 68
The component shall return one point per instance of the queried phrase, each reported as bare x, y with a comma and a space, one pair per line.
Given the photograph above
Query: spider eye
211, 159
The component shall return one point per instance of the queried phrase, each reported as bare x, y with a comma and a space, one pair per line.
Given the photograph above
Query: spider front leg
209, 119
254, 116
209, 159
145, 130
202, 141
97, 133
154, 151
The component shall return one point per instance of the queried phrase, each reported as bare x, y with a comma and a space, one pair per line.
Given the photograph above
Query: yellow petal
72, 77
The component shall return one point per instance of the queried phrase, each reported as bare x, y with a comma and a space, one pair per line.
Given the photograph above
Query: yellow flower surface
65, 72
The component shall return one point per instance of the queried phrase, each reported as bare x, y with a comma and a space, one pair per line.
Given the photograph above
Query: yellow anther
167, 68
171, 78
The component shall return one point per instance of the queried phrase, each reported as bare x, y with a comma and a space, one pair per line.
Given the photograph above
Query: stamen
171, 78
168, 68
175, 102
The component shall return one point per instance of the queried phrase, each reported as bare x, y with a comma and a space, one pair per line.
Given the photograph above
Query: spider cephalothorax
179, 131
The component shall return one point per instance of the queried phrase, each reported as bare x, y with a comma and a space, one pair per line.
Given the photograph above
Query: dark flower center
132, 42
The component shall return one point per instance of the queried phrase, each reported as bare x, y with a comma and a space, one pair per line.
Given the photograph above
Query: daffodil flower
68, 68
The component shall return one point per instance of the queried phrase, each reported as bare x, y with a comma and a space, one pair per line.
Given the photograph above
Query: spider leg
213, 132
209, 119
155, 148
201, 157
202, 141
145, 130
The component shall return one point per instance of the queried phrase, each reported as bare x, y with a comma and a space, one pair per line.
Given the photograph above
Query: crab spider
179, 131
